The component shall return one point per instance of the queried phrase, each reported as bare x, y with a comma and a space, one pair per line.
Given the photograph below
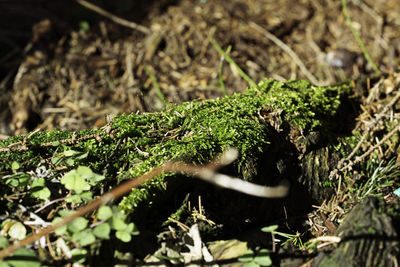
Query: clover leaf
39, 189
125, 235
15, 165
85, 172
83, 197
89, 175
104, 213
85, 237
60, 230
79, 255
77, 225
3, 242
262, 258
102, 231
74, 181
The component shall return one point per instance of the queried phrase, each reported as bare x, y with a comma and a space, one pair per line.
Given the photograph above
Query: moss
194, 132
304, 104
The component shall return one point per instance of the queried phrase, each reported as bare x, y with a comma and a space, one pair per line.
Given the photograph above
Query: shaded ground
64, 66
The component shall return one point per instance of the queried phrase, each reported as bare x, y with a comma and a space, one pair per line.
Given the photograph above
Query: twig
349, 165
181, 225
329, 240
114, 18
128, 66
206, 173
287, 49
22, 146
371, 149
52, 202
370, 125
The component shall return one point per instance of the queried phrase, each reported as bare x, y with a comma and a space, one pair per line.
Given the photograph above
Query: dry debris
74, 80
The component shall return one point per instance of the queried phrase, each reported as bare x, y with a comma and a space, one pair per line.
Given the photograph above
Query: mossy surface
194, 132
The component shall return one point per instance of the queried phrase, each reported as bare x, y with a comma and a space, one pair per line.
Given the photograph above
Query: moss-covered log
268, 125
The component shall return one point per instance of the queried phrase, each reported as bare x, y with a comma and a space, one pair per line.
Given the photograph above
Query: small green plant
233, 63
156, 86
358, 38
39, 189
82, 232
220, 76
378, 176
84, 26
107, 219
17, 180
80, 181
68, 157
294, 239
255, 259
34, 181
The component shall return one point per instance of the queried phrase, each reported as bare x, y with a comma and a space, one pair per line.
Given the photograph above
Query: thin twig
206, 173
287, 49
114, 18
128, 66
370, 125
371, 149
22, 146
328, 240
52, 202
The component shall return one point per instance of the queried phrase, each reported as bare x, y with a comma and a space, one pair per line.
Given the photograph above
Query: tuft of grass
378, 176
221, 80
156, 86
233, 63
358, 37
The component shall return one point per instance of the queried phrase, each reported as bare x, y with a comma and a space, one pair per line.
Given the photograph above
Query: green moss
194, 132
304, 104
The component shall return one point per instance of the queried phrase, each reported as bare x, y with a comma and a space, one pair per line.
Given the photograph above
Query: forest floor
75, 66
68, 66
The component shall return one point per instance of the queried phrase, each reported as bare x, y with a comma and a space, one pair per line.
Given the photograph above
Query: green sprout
358, 38
233, 63
379, 176
293, 238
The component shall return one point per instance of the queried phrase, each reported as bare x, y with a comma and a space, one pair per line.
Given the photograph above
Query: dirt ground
65, 66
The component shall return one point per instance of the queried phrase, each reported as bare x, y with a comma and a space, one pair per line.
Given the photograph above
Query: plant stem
358, 38
156, 86
230, 61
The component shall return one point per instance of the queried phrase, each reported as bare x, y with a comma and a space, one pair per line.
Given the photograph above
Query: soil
67, 67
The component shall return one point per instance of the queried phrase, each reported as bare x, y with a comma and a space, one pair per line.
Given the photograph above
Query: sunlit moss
193, 132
